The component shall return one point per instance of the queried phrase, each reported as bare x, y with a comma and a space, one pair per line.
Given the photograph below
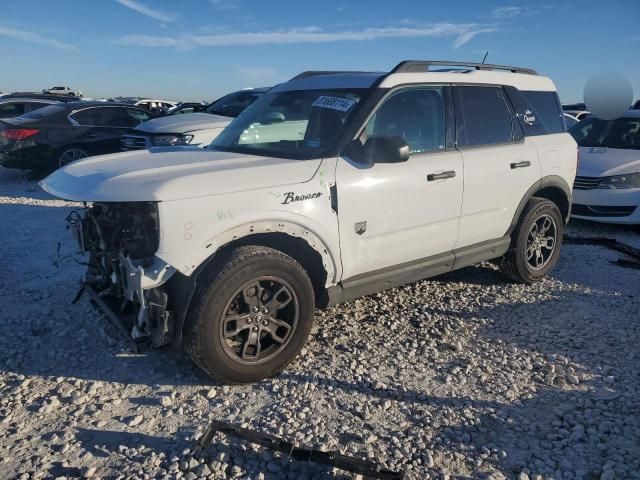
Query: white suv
331, 186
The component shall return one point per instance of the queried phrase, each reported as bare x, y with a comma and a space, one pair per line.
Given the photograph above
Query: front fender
192, 230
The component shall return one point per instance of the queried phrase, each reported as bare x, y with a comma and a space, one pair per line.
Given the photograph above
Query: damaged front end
124, 277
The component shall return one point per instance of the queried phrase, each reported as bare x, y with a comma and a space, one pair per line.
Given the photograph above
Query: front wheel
252, 316
535, 243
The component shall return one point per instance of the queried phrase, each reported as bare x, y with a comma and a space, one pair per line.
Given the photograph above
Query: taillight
18, 134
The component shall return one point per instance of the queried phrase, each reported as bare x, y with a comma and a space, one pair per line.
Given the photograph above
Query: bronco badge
291, 197
360, 227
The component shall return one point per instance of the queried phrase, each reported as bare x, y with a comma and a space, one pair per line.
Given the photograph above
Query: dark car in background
53, 136
17, 106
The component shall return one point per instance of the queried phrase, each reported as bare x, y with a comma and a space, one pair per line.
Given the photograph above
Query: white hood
172, 174
604, 162
183, 123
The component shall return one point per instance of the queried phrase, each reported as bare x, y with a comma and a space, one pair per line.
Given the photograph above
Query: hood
183, 123
604, 162
172, 174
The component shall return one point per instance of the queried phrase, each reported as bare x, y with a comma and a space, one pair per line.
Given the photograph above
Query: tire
523, 262
69, 154
227, 294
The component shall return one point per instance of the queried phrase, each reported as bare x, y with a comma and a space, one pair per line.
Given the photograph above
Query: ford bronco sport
331, 186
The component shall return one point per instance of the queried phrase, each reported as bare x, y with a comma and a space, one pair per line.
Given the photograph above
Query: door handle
523, 164
90, 135
440, 176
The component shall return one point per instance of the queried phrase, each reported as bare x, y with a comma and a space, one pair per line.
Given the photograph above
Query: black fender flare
548, 181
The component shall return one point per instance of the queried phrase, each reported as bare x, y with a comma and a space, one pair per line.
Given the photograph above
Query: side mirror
385, 150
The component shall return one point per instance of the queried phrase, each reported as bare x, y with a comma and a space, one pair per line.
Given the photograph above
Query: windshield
296, 124
621, 133
44, 111
233, 104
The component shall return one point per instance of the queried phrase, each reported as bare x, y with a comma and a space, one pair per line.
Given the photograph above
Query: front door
390, 214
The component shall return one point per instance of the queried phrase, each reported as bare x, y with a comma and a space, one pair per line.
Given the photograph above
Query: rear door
500, 164
11, 109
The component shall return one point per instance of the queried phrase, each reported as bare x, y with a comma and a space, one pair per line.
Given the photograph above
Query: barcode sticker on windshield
334, 103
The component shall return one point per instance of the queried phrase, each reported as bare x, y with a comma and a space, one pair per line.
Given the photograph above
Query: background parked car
158, 107
607, 186
58, 134
192, 128
578, 114
187, 107
570, 120
63, 91
16, 106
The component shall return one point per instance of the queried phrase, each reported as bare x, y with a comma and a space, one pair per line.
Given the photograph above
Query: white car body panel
168, 174
407, 217
195, 228
203, 127
606, 162
183, 123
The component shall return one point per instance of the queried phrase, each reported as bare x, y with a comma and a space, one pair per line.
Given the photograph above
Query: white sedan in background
607, 186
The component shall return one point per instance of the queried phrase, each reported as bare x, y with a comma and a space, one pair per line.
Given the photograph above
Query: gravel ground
461, 376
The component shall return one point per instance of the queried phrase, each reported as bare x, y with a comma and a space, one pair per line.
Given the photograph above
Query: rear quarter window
539, 113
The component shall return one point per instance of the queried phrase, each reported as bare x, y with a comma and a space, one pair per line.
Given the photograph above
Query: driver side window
417, 115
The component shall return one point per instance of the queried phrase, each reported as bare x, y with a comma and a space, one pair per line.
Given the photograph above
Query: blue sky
201, 49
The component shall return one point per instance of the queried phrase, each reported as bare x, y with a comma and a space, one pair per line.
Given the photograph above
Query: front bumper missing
140, 311
113, 318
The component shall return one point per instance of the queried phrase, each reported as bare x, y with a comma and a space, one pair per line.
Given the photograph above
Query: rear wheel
252, 316
535, 243
71, 154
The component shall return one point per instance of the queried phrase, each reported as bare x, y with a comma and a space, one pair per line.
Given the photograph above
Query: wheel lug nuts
265, 322
254, 309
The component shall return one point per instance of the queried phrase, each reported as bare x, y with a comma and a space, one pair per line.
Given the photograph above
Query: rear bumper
29, 158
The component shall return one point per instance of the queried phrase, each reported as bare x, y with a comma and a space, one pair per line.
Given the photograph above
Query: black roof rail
420, 66
314, 73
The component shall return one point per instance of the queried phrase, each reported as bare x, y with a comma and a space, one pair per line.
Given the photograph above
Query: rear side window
539, 113
36, 105
104, 117
546, 110
45, 111
11, 110
482, 116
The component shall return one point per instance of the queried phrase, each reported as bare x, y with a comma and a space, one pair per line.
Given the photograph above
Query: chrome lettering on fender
290, 197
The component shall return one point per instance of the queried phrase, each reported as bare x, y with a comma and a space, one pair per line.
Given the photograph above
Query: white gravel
462, 376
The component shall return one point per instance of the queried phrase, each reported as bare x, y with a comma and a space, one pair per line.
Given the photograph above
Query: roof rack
420, 66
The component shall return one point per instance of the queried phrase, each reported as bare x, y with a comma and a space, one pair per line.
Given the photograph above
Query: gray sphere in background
608, 95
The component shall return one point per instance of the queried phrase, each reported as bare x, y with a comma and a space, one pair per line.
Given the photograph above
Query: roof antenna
485, 56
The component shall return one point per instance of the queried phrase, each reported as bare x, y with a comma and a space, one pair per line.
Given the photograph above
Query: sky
201, 49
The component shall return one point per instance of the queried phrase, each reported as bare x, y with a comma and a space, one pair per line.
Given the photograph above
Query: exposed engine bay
121, 240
